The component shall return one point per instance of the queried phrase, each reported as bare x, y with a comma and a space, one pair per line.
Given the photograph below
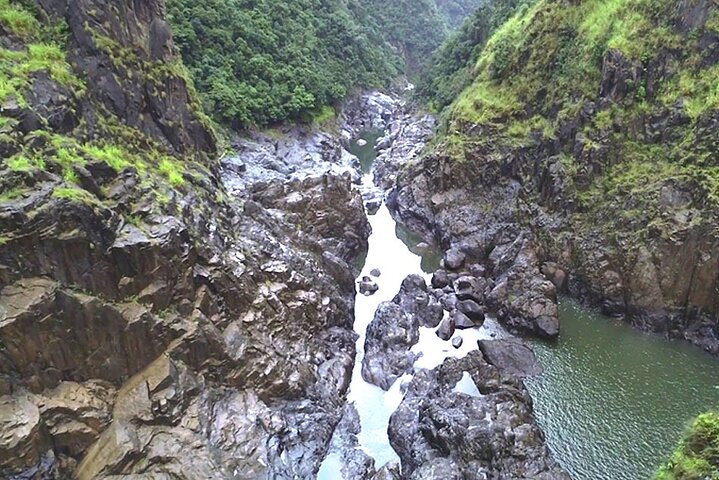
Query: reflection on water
431, 256
615, 400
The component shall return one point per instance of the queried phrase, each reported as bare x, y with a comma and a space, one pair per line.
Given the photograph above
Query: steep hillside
262, 62
588, 134
144, 312
451, 67
455, 12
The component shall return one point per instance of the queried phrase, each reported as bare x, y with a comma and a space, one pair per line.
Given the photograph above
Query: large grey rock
389, 338
473, 310
441, 433
23, 440
454, 259
446, 328
511, 357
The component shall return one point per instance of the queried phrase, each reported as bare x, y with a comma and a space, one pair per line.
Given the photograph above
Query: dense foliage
588, 80
455, 12
450, 69
256, 62
414, 26
697, 457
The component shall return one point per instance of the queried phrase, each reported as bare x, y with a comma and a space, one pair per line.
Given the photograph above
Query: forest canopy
258, 62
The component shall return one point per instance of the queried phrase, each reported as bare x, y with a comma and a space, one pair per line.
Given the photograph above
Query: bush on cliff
697, 457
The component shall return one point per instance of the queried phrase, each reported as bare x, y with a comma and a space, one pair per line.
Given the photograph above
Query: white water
388, 253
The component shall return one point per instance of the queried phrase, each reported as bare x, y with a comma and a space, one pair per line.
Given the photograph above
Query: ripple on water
613, 401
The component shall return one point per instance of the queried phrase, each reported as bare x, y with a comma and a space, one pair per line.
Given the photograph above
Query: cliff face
588, 138
144, 313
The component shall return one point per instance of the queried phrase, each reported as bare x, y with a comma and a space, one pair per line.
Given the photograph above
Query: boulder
415, 299
473, 310
23, 440
439, 432
367, 286
462, 321
511, 357
440, 279
446, 328
470, 288
389, 338
454, 259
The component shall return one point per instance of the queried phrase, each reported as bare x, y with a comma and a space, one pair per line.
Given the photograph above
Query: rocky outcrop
293, 152
578, 210
516, 290
395, 329
141, 320
405, 131
440, 432
132, 40
215, 337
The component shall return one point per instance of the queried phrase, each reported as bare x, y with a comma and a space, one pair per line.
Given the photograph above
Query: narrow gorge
238, 242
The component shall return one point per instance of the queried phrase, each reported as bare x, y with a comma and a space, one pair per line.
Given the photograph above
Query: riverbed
612, 401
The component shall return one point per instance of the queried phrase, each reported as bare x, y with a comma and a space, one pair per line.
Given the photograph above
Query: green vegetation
325, 115
17, 20
173, 171
697, 457
450, 69
33, 47
520, 73
21, 163
259, 62
74, 194
550, 56
40, 52
113, 155
455, 12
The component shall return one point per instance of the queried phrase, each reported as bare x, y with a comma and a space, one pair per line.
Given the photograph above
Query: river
612, 401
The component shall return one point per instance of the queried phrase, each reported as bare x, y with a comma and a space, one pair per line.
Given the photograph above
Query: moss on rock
697, 457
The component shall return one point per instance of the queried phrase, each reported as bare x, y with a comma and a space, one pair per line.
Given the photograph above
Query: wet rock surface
235, 343
522, 205
505, 275
441, 433
510, 356
395, 329
216, 321
355, 464
290, 153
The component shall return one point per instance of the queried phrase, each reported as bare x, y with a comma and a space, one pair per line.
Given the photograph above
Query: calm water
613, 401
366, 153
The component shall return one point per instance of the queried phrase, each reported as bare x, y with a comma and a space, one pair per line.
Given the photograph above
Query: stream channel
612, 401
